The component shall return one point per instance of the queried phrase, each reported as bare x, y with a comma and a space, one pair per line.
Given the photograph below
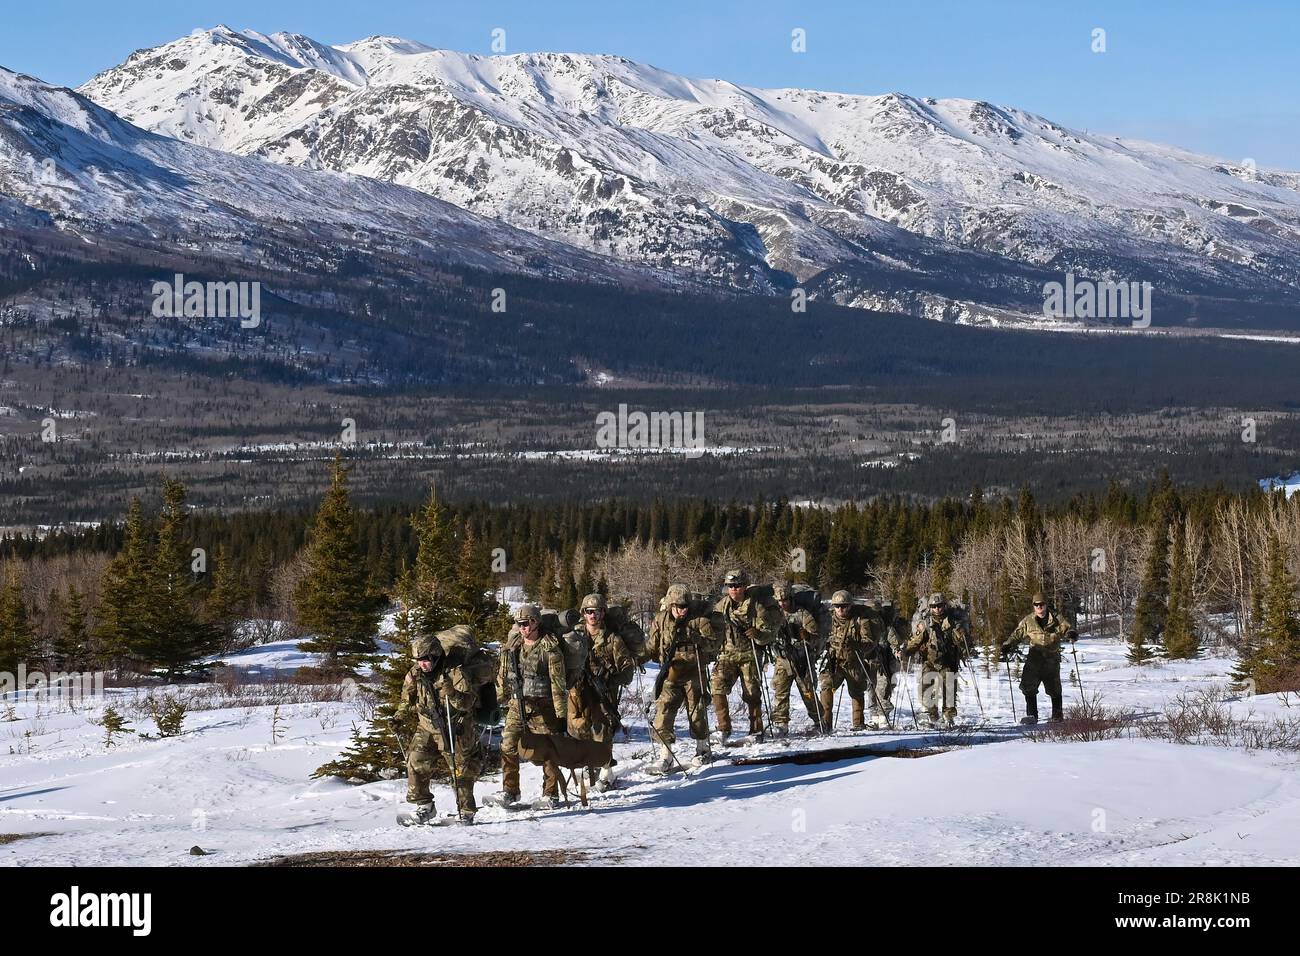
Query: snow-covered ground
225, 785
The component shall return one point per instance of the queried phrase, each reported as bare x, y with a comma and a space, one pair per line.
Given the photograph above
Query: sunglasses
733, 587
681, 607
592, 610
526, 622
1040, 604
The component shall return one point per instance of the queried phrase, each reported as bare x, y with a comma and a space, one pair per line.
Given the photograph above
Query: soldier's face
528, 629
425, 664
1040, 609
679, 611
841, 610
785, 604
736, 592
594, 616
936, 610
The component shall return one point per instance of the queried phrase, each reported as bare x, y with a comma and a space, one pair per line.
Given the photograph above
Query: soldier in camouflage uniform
750, 626
942, 642
437, 688
608, 666
532, 675
849, 647
796, 648
683, 641
1044, 629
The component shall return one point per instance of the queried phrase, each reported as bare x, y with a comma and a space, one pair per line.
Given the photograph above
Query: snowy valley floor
225, 786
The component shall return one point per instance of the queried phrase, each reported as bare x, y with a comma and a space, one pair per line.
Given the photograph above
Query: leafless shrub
1087, 721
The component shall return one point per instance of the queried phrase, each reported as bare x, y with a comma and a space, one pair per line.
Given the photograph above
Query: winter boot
423, 813
502, 799
880, 722
703, 754
857, 716
1057, 710
756, 727
950, 718
722, 713
780, 730
1031, 711
828, 715
666, 763
466, 817
605, 780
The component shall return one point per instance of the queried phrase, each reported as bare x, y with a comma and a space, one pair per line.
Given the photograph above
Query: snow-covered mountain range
68, 164
724, 182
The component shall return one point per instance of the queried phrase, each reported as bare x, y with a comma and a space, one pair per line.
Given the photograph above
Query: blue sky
1220, 78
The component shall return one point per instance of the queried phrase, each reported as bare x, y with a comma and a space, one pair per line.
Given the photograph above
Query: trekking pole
762, 686
451, 741
907, 686
875, 695
1078, 676
817, 701
1011, 688
704, 690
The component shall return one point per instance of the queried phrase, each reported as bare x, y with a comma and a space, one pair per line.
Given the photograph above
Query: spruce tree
124, 590
226, 601
1153, 599
175, 637
333, 599
72, 644
1180, 638
1271, 658
17, 639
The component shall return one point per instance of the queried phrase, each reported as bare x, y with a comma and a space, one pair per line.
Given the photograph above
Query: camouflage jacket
942, 645
429, 697
746, 621
542, 668
693, 635
1045, 636
798, 628
607, 653
853, 638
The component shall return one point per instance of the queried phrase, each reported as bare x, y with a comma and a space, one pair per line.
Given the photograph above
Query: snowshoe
502, 799
1029, 720
880, 722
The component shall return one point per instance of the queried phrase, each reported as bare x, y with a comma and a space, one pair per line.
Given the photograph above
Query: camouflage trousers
541, 719
681, 685
729, 668
1041, 668
783, 675
935, 688
855, 683
426, 754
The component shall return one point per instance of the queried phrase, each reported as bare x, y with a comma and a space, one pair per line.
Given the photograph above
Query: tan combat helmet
938, 600
841, 599
677, 594
781, 590
528, 612
425, 645
594, 600
735, 577
1039, 598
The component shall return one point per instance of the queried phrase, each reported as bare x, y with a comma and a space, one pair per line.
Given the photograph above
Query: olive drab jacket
1044, 636
695, 635
942, 644
429, 696
541, 668
748, 624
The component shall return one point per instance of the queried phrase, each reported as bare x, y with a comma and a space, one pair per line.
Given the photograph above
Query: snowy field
227, 786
